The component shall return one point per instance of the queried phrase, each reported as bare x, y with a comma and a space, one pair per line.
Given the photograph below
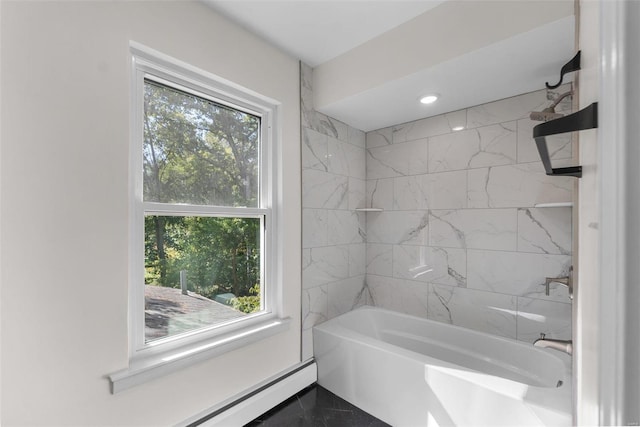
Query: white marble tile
356, 137
559, 146
379, 138
314, 228
357, 193
410, 192
330, 126
474, 228
345, 159
431, 126
307, 344
306, 96
357, 259
402, 227
380, 193
314, 306
545, 230
404, 296
446, 266
344, 227
314, 150
324, 190
341, 129
486, 146
409, 158
311, 119
346, 295
514, 108
447, 190
324, 265
521, 185
469, 308
314, 312
517, 273
537, 316
517, 107
379, 259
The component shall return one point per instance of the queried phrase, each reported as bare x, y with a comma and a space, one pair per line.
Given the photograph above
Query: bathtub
409, 371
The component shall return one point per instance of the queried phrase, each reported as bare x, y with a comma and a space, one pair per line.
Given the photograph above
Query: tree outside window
202, 262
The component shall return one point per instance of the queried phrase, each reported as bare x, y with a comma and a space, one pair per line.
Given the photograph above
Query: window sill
149, 368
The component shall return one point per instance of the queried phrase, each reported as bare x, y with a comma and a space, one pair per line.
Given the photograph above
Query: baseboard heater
250, 404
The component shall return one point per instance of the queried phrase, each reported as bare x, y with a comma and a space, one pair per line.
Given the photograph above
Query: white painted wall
587, 285
64, 174
619, 178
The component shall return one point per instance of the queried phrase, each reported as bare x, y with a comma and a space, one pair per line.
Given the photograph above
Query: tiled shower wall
460, 239
333, 233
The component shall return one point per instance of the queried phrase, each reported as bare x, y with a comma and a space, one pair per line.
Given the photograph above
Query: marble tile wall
460, 239
333, 233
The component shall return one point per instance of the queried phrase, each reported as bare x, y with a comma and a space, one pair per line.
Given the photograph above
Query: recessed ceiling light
428, 99
457, 128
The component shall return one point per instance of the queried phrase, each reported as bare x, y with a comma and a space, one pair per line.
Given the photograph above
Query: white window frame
155, 358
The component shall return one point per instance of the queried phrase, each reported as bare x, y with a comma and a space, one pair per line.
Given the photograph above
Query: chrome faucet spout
565, 346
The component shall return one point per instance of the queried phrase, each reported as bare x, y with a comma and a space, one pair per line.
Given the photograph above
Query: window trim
148, 360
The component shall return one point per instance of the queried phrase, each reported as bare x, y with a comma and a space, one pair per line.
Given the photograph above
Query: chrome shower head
549, 113
545, 115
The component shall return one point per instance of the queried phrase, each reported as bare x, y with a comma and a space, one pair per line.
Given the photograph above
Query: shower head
549, 113
545, 115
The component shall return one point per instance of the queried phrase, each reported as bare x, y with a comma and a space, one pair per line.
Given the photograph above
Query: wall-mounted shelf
369, 209
554, 205
587, 118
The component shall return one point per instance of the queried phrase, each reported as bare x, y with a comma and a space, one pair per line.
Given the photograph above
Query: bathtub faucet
561, 345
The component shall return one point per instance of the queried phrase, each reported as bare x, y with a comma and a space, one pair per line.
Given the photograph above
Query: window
203, 225
204, 276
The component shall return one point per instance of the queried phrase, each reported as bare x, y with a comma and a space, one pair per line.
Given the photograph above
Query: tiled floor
316, 406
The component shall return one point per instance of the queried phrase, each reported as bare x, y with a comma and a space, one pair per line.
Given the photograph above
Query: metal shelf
554, 205
587, 118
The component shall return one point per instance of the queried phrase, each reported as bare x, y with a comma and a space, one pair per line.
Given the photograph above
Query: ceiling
316, 31
367, 72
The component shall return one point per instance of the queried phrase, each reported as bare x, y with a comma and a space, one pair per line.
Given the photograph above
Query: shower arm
558, 99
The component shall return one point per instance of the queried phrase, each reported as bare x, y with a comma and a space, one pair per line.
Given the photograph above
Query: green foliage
220, 255
199, 152
249, 304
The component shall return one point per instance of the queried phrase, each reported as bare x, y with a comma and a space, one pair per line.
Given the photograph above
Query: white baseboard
254, 402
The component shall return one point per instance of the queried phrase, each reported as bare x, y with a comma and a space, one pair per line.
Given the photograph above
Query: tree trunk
162, 256
234, 272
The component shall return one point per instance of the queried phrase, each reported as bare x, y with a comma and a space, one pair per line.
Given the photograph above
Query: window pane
216, 259
197, 151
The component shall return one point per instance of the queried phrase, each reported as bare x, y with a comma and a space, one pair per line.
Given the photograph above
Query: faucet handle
542, 335
565, 281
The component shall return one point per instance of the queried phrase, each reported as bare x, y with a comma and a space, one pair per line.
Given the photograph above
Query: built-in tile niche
460, 238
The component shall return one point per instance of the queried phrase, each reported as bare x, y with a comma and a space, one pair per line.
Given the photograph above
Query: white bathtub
409, 371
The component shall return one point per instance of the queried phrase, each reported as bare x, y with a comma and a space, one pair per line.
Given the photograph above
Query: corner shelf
554, 205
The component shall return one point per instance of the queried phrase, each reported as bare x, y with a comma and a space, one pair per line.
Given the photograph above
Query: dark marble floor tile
315, 406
